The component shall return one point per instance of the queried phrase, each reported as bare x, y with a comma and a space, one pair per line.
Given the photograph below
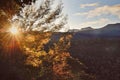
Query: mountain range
110, 30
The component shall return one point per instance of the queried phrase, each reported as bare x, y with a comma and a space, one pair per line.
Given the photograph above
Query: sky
91, 13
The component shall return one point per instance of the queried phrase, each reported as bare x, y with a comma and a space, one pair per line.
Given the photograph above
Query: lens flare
14, 30
12, 41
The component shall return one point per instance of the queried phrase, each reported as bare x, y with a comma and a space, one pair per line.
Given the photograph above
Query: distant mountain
74, 30
78, 30
86, 29
110, 30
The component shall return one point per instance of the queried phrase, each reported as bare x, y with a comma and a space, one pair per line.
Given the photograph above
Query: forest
33, 48
24, 32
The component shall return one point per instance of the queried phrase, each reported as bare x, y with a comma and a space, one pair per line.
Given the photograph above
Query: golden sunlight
14, 30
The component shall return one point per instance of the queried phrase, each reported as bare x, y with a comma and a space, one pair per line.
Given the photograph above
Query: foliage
8, 9
56, 64
43, 18
21, 2
24, 57
31, 61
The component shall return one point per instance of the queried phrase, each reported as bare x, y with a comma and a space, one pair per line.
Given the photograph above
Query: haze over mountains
110, 30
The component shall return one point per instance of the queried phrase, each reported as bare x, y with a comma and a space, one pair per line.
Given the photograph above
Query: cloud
88, 5
96, 24
104, 10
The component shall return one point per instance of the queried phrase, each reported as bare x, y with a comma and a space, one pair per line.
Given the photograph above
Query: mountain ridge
110, 30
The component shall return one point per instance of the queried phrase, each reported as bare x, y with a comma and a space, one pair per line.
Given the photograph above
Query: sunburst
14, 30
12, 40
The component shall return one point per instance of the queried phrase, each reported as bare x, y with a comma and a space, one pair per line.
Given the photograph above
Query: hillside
101, 56
98, 49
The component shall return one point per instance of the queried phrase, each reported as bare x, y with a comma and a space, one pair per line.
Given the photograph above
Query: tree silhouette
21, 2
43, 18
8, 9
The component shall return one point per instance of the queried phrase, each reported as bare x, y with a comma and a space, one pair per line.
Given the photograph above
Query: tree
43, 18
11, 7
33, 62
8, 9
21, 2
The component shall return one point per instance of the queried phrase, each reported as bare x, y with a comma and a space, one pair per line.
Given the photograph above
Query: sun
13, 30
